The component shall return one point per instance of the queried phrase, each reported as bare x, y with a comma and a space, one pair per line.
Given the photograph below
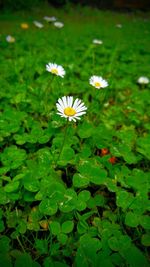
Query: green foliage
48, 207
132, 219
67, 227
87, 251
81, 200
13, 157
146, 240
89, 172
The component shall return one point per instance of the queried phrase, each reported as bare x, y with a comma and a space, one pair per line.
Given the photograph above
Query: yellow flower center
54, 71
24, 26
12, 40
69, 111
97, 84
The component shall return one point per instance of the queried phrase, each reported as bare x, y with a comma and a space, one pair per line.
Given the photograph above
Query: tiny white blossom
69, 110
98, 82
106, 104
50, 19
119, 25
143, 80
10, 39
38, 24
58, 24
98, 42
55, 69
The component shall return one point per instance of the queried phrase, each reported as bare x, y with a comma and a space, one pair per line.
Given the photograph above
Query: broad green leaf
85, 151
5, 260
102, 136
145, 221
144, 146
80, 180
93, 172
29, 196
86, 241
82, 227
66, 155
99, 200
15, 253
132, 219
22, 227
116, 259
13, 157
4, 244
55, 227
145, 240
62, 238
98, 177
69, 202
84, 195
82, 259
85, 130
124, 150
114, 243
31, 183
3, 197
134, 180
48, 207
87, 251
11, 187
125, 243
41, 246
23, 260
4, 170
135, 257
80, 205
54, 190
103, 260
124, 199
67, 227
48, 262
2, 226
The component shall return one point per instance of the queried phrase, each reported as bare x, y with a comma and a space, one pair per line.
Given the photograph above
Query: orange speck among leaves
104, 151
113, 160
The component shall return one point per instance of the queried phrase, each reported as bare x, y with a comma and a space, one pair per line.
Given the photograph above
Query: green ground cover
84, 203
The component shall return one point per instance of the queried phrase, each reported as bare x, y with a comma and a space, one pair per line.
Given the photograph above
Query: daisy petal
67, 109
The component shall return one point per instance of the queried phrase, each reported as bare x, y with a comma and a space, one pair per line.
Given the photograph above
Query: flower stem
64, 139
20, 244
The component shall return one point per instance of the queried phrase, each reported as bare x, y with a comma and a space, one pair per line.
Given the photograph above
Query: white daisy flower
10, 39
58, 24
55, 69
119, 25
143, 80
106, 104
50, 19
96, 41
98, 82
67, 109
38, 24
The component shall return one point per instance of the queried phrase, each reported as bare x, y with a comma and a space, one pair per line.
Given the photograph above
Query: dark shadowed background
109, 4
